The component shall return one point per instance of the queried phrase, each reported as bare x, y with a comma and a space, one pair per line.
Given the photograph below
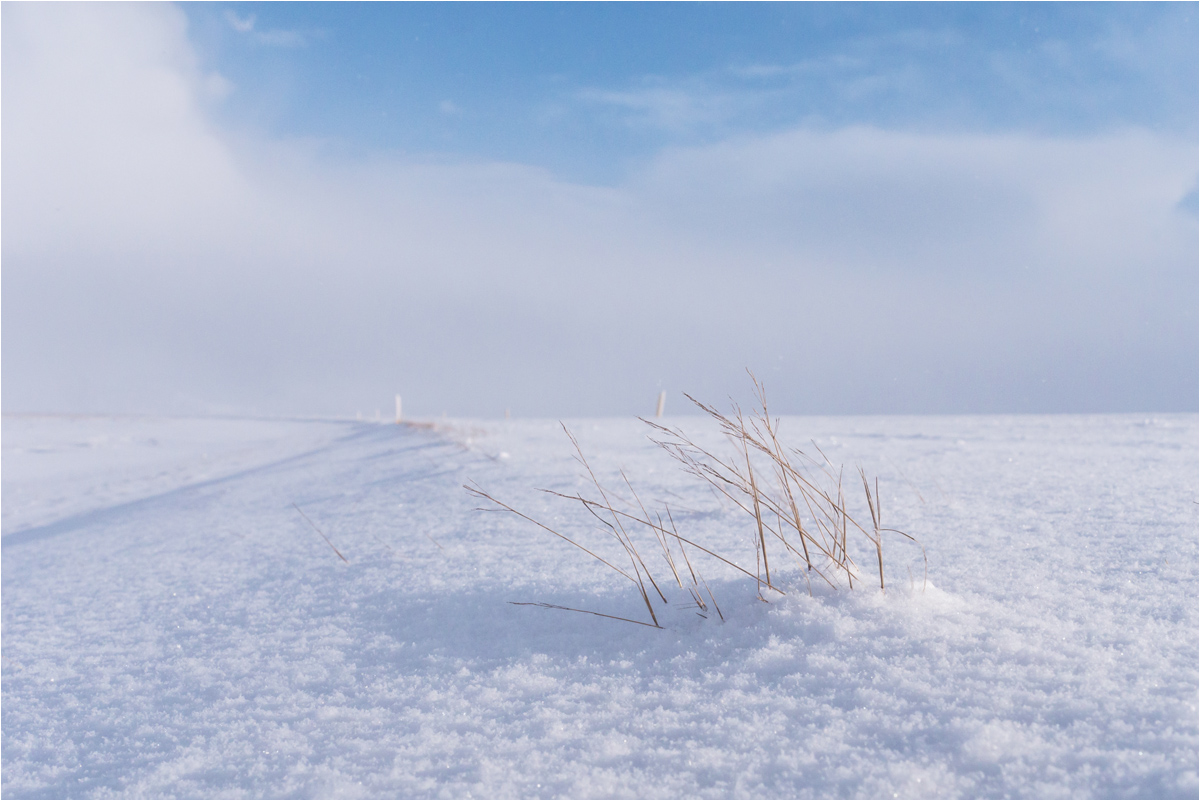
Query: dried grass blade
322, 533
587, 612
481, 494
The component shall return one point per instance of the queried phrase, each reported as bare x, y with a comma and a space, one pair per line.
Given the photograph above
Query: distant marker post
399, 415
662, 401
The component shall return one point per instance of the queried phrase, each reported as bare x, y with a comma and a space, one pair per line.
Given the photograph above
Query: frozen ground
173, 627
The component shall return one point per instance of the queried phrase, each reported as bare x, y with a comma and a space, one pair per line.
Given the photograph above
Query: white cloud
669, 108
930, 203
831, 64
104, 134
271, 38
240, 24
148, 256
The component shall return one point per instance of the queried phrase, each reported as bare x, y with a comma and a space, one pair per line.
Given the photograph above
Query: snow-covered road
173, 626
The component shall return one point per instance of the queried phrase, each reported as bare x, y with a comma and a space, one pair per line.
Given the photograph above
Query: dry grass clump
787, 481
621, 522
798, 504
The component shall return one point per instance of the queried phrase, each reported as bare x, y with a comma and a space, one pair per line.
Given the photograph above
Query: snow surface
172, 626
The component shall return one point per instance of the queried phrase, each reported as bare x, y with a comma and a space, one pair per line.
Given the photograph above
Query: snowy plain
174, 627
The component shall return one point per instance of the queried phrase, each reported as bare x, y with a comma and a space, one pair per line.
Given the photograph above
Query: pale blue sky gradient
593, 90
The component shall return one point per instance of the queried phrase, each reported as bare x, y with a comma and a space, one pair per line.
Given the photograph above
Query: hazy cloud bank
153, 262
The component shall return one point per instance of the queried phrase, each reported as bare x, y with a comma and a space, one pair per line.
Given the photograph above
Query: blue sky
561, 210
591, 90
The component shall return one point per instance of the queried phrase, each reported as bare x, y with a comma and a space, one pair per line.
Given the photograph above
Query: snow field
172, 633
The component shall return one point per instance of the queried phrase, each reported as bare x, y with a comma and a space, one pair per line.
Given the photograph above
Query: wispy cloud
676, 109
759, 97
271, 38
835, 63
238, 23
917, 78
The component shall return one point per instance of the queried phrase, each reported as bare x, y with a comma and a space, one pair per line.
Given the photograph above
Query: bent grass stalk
322, 533
823, 547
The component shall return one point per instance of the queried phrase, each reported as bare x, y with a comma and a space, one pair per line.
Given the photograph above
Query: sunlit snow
173, 626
